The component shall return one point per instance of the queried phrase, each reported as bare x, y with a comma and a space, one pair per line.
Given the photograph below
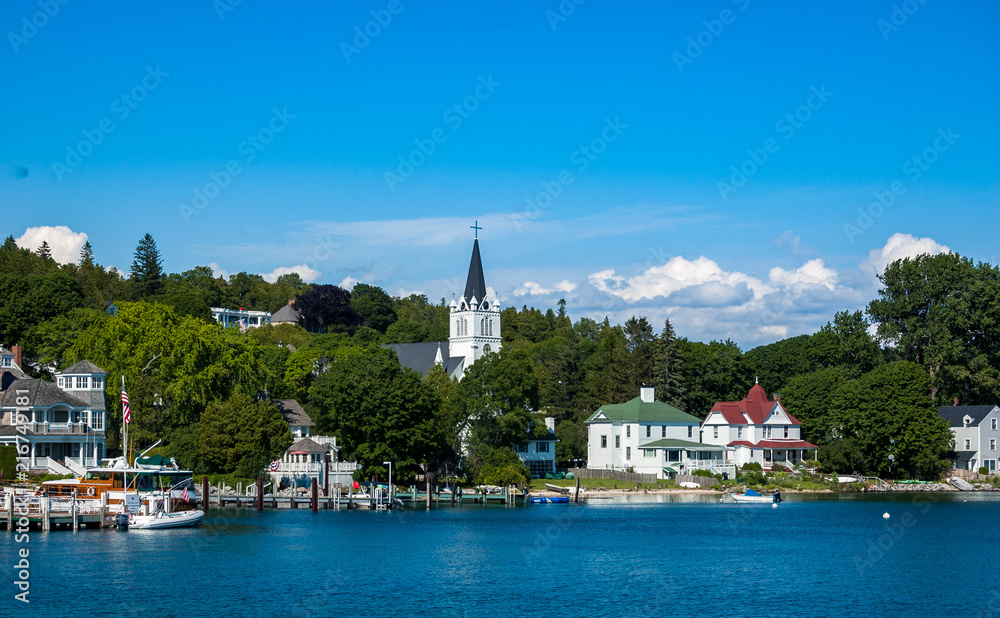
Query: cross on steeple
476, 227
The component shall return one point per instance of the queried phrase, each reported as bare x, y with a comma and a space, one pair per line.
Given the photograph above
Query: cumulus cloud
533, 288
813, 272
898, 247
677, 274
309, 275
64, 242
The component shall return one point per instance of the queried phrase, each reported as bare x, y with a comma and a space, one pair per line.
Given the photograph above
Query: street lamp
389, 463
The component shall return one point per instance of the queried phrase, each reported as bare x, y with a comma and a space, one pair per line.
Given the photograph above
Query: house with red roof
759, 430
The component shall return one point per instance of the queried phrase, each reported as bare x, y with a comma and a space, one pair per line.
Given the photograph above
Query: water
813, 555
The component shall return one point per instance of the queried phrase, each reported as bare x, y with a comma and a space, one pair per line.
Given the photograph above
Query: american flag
184, 494
126, 410
275, 465
243, 325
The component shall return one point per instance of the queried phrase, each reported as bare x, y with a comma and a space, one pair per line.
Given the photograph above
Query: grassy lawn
539, 484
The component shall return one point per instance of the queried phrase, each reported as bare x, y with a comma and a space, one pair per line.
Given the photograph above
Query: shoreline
893, 489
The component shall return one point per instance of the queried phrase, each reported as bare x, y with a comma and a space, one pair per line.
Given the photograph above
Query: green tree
147, 269
715, 371
942, 313
668, 369
810, 398
379, 410
44, 251
498, 466
889, 411
86, 254
495, 401
241, 436
8, 463
373, 305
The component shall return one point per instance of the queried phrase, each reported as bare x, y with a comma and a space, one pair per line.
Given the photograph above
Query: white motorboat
753, 497
161, 520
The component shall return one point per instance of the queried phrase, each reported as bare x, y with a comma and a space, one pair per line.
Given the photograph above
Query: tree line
865, 386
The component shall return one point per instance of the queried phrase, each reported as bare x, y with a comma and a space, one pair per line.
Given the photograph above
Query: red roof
755, 405
775, 444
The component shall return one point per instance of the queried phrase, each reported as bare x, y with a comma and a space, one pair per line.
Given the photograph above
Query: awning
670, 471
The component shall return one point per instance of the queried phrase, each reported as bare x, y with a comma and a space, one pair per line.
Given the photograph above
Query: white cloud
219, 272
794, 243
813, 272
308, 275
677, 274
348, 283
900, 246
64, 242
535, 289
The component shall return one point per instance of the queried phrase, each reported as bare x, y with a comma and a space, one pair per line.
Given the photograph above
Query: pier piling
8, 502
75, 510
44, 501
576, 498
430, 479
314, 503
204, 492
260, 493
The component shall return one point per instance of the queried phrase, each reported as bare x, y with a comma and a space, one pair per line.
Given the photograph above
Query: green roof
638, 411
673, 443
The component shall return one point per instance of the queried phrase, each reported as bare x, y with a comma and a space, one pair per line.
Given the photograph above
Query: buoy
774, 505
885, 515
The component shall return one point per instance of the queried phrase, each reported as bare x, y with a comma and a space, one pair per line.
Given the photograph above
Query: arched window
487, 349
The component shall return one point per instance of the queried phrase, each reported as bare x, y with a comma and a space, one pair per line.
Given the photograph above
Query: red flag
126, 410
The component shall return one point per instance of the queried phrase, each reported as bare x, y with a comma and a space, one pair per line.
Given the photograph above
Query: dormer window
966, 420
97, 384
62, 382
8, 361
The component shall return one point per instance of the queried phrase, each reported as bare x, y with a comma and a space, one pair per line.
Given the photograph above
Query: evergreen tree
86, 254
44, 251
147, 269
668, 377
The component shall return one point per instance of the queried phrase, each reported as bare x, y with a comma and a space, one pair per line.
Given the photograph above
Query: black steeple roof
475, 285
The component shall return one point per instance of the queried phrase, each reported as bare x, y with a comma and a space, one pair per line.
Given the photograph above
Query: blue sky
719, 164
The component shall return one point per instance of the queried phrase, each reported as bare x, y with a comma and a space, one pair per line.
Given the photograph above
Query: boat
752, 497
546, 500
559, 489
147, 476
161, 520
688, 485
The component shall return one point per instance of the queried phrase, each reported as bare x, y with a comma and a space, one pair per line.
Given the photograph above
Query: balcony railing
62, 429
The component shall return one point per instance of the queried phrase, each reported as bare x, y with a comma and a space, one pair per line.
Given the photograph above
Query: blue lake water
823, 555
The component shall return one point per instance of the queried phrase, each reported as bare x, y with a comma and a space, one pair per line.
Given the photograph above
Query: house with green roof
650, 437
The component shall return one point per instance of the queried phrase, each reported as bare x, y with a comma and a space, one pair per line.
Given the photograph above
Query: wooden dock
24, 512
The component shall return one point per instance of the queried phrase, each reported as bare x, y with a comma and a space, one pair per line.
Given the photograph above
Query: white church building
475, 329
474, 333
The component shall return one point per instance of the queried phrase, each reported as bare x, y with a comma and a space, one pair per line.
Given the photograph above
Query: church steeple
475, 284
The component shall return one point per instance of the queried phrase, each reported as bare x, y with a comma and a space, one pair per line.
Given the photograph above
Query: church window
487, 349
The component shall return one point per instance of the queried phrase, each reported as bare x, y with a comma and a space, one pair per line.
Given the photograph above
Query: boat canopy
751, 492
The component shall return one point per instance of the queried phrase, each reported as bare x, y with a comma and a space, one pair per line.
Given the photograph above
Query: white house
649, 437
58, 427
977, 436
759, 430
539, 454
240, 317
311, 457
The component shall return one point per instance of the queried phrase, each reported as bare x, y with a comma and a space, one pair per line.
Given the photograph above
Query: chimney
956, 402
646, 393
777, 397
550, 424
16, 349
